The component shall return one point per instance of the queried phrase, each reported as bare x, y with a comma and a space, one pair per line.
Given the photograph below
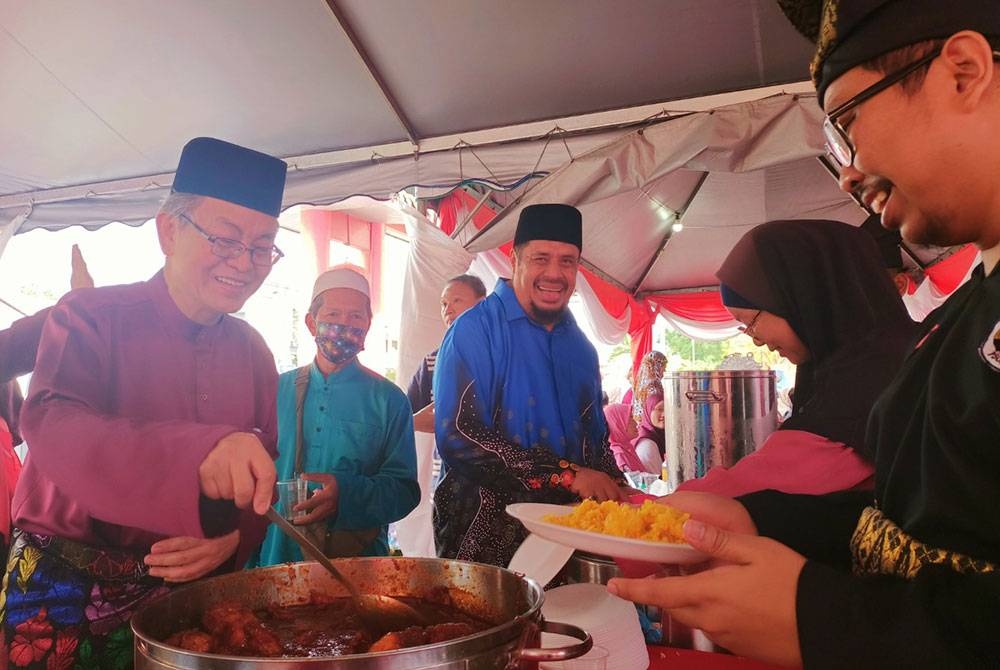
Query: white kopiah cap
341, 277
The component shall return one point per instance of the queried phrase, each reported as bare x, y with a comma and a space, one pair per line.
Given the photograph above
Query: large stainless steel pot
584, 568
513, 602
715, 418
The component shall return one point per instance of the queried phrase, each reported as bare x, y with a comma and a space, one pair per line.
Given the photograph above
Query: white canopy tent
361, 96
717, 174
374, 96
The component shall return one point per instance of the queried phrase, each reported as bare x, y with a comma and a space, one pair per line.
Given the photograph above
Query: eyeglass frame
748, 329
835, 134
232, 245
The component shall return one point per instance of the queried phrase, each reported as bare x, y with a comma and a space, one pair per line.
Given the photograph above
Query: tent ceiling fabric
461, 66
717, 173
110, 90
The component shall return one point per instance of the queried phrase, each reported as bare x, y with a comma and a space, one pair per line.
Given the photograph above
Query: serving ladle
378, 612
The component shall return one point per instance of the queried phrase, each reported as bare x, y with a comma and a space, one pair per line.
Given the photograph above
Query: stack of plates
611, 621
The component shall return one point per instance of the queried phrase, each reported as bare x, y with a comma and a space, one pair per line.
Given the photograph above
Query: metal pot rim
504, 634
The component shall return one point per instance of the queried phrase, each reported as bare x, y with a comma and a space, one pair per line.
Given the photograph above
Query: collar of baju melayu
171, 316
343, 374
513, 310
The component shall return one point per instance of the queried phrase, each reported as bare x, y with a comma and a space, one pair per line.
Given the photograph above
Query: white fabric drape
9, 228
927, 297
415, 531
433, 259
606, 328
701, 331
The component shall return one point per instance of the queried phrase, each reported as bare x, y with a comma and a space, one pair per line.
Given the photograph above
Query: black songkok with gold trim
848, 33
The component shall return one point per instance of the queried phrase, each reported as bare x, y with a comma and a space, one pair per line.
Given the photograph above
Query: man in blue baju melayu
517, 390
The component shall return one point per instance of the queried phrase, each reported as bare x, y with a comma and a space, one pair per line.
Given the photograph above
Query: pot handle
703, 396
559, 653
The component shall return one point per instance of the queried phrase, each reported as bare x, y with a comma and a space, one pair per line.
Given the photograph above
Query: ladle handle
311, 549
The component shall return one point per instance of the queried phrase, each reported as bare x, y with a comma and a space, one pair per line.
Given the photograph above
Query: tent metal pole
22, 313
593, 269
677, 291
380, 81
678, 215
468, 217
575, 126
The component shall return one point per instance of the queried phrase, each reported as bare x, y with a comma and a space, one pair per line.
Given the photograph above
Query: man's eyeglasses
837, 141
223, 247
748, 329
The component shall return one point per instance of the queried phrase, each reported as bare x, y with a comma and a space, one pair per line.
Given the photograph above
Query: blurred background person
650, 442
415, 532
622, 432
18, 347
459, 294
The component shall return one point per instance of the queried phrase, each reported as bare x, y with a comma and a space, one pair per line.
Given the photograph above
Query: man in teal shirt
345, 427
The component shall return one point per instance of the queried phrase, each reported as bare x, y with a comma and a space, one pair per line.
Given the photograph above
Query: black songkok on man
229, 172
558, 223
849, 33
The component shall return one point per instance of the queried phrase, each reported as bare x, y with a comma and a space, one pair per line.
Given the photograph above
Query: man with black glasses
907, 576
151, 423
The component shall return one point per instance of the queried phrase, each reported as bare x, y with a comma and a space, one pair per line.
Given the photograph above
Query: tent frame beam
376, 75
678, 215
677, 291
573, 125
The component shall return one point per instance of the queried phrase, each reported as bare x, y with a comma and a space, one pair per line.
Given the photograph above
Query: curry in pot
329, 627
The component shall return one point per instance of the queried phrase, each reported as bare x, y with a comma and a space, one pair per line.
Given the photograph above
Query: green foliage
623, 348
686, 353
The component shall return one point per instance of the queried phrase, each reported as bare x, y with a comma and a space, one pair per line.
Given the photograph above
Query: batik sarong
66, 605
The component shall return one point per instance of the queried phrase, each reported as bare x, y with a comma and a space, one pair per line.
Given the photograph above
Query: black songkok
848, 33
229, 172
559, 223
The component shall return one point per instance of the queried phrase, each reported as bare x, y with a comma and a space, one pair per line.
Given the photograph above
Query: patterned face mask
339, 343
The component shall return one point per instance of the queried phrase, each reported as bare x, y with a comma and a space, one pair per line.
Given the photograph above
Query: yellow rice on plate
652, 522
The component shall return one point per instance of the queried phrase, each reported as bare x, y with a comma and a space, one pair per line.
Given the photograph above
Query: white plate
530, 514
539, 558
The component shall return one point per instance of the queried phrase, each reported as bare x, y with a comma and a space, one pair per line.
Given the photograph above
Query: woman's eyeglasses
748, 329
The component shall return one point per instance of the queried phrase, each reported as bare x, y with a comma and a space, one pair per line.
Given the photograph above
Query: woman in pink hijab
622, 433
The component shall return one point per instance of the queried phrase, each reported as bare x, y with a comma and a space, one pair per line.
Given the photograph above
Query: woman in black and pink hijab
648, 393
816, 292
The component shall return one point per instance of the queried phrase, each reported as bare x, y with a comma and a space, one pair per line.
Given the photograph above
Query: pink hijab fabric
618, 416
